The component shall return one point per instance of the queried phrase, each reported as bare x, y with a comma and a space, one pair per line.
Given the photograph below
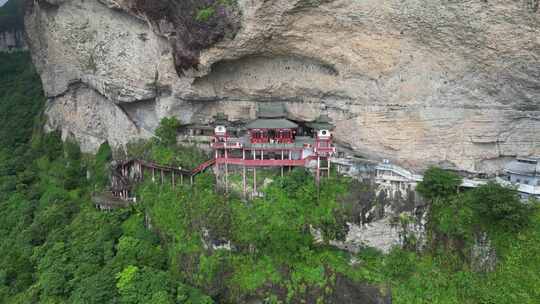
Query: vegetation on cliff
173, 247
197, 24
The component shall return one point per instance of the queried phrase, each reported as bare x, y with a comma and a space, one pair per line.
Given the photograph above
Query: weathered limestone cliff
455, 83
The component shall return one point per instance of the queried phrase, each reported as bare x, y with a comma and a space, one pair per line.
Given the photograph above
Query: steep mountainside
455, 83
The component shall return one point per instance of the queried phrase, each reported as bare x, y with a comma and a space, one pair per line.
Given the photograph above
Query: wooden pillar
226, 171
181, 178
153, 175
191, 179
162, 177
173, 179
318, 176
329, 164
244, 183
254, 179
218, 173
226, 176
282, 158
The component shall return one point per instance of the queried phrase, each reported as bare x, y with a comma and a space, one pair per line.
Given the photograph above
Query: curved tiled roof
323, 122
271, 124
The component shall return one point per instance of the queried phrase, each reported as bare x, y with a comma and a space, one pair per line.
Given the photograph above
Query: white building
525, 174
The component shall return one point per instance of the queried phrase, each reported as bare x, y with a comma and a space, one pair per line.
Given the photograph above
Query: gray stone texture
454, 83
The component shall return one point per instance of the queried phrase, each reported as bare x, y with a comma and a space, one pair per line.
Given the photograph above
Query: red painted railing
203, 166
262, 162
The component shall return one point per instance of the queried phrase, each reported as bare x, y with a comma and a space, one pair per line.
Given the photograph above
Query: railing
405, 175
262, 162
203, 166
529, 189
328, 150
400, 171
229, 144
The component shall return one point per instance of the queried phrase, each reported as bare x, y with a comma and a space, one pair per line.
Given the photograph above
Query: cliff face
454, 83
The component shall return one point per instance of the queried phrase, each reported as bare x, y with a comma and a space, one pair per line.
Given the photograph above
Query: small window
526, 181
538, 183
518, 180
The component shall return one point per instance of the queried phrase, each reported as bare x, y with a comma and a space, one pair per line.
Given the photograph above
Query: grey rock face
453, 83
89, 117
483, 254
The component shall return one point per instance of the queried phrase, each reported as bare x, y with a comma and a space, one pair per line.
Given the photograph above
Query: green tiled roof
221, 119
271, 124
323, 122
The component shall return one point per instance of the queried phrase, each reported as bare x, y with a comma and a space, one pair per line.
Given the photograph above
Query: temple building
524, 171
272, 140
525, 174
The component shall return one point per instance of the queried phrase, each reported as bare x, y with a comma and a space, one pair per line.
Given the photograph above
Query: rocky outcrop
454, 83
383, 217
189, 25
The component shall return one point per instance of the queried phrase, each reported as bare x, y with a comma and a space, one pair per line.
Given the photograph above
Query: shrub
167, 130
438, 183
204, 14
500, 206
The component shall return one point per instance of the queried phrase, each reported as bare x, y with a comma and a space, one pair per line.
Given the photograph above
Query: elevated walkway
203, 167
127, 173
392, 172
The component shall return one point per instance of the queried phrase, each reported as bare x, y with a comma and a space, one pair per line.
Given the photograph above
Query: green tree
99, 168
141, 286
167, 131
204, 14
74, 172
500, 206
438, 183
189, 295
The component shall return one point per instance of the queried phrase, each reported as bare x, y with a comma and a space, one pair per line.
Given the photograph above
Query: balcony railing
231, 143
529, 189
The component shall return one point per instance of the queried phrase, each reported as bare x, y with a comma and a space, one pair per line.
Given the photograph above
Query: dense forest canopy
56, 247
12, 16
195, 245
